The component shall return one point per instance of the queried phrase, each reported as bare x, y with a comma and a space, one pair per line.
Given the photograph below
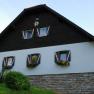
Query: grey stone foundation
73, 83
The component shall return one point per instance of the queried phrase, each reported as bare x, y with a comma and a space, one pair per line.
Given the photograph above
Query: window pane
9, 63
63, 57
43, 31
28, 34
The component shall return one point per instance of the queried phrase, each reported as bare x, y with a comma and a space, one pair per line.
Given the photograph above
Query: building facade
54, 52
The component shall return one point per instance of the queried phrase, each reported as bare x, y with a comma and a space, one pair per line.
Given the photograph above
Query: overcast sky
80, 12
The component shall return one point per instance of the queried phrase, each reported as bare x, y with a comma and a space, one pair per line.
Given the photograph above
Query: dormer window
43, 31
27, 34
63, 57
8, 62
33, 60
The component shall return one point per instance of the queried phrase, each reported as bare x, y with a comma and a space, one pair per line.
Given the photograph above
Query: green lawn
33, 90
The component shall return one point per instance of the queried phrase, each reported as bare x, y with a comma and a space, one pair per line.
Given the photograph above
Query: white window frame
25, 36
8, 64
39, 32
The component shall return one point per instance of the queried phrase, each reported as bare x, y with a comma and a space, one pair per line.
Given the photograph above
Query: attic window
63, 57
33, 60
27, 34
43, 31
8, 62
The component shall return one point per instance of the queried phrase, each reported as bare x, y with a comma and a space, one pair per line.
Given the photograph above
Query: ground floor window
8, 62
33, 60
63, 57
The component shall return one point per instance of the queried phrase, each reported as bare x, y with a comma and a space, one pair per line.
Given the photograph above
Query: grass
33, 90
36, 90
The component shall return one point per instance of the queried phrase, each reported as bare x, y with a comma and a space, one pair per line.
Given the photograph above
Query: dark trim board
31, 47
62, 31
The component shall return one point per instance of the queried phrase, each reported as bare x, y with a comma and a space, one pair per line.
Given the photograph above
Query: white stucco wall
82, 59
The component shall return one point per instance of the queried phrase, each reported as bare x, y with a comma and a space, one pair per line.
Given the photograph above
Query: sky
81, 12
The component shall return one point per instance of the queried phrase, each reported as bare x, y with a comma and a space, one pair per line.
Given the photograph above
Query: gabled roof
44, 7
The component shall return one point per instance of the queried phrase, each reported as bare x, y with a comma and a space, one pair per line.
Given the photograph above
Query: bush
17, 81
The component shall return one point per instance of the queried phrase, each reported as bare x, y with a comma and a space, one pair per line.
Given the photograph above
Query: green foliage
17, 81
6, 90
63, 63
34, 58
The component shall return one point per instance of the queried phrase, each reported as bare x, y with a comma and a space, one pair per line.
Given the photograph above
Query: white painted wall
82, 59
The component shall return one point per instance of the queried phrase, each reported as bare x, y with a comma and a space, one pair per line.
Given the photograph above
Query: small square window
27, 34
63, 57
8, 62
33, 60
43, 31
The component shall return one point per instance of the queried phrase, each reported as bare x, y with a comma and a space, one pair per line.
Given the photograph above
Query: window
63, 57
27, 34
8, 62
43, 31
33, 60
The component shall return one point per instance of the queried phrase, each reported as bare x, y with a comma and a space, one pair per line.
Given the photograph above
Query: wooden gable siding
60, 33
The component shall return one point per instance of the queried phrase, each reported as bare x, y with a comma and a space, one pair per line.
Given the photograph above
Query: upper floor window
63, 57
28, 34
8, 62
43, 31
33, 60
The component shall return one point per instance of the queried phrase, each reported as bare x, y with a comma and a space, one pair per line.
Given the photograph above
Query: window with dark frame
28, 34
63, 57
43, 31
33, 60
8, 62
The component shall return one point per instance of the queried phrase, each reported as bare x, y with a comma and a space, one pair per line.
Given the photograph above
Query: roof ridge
43, 5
